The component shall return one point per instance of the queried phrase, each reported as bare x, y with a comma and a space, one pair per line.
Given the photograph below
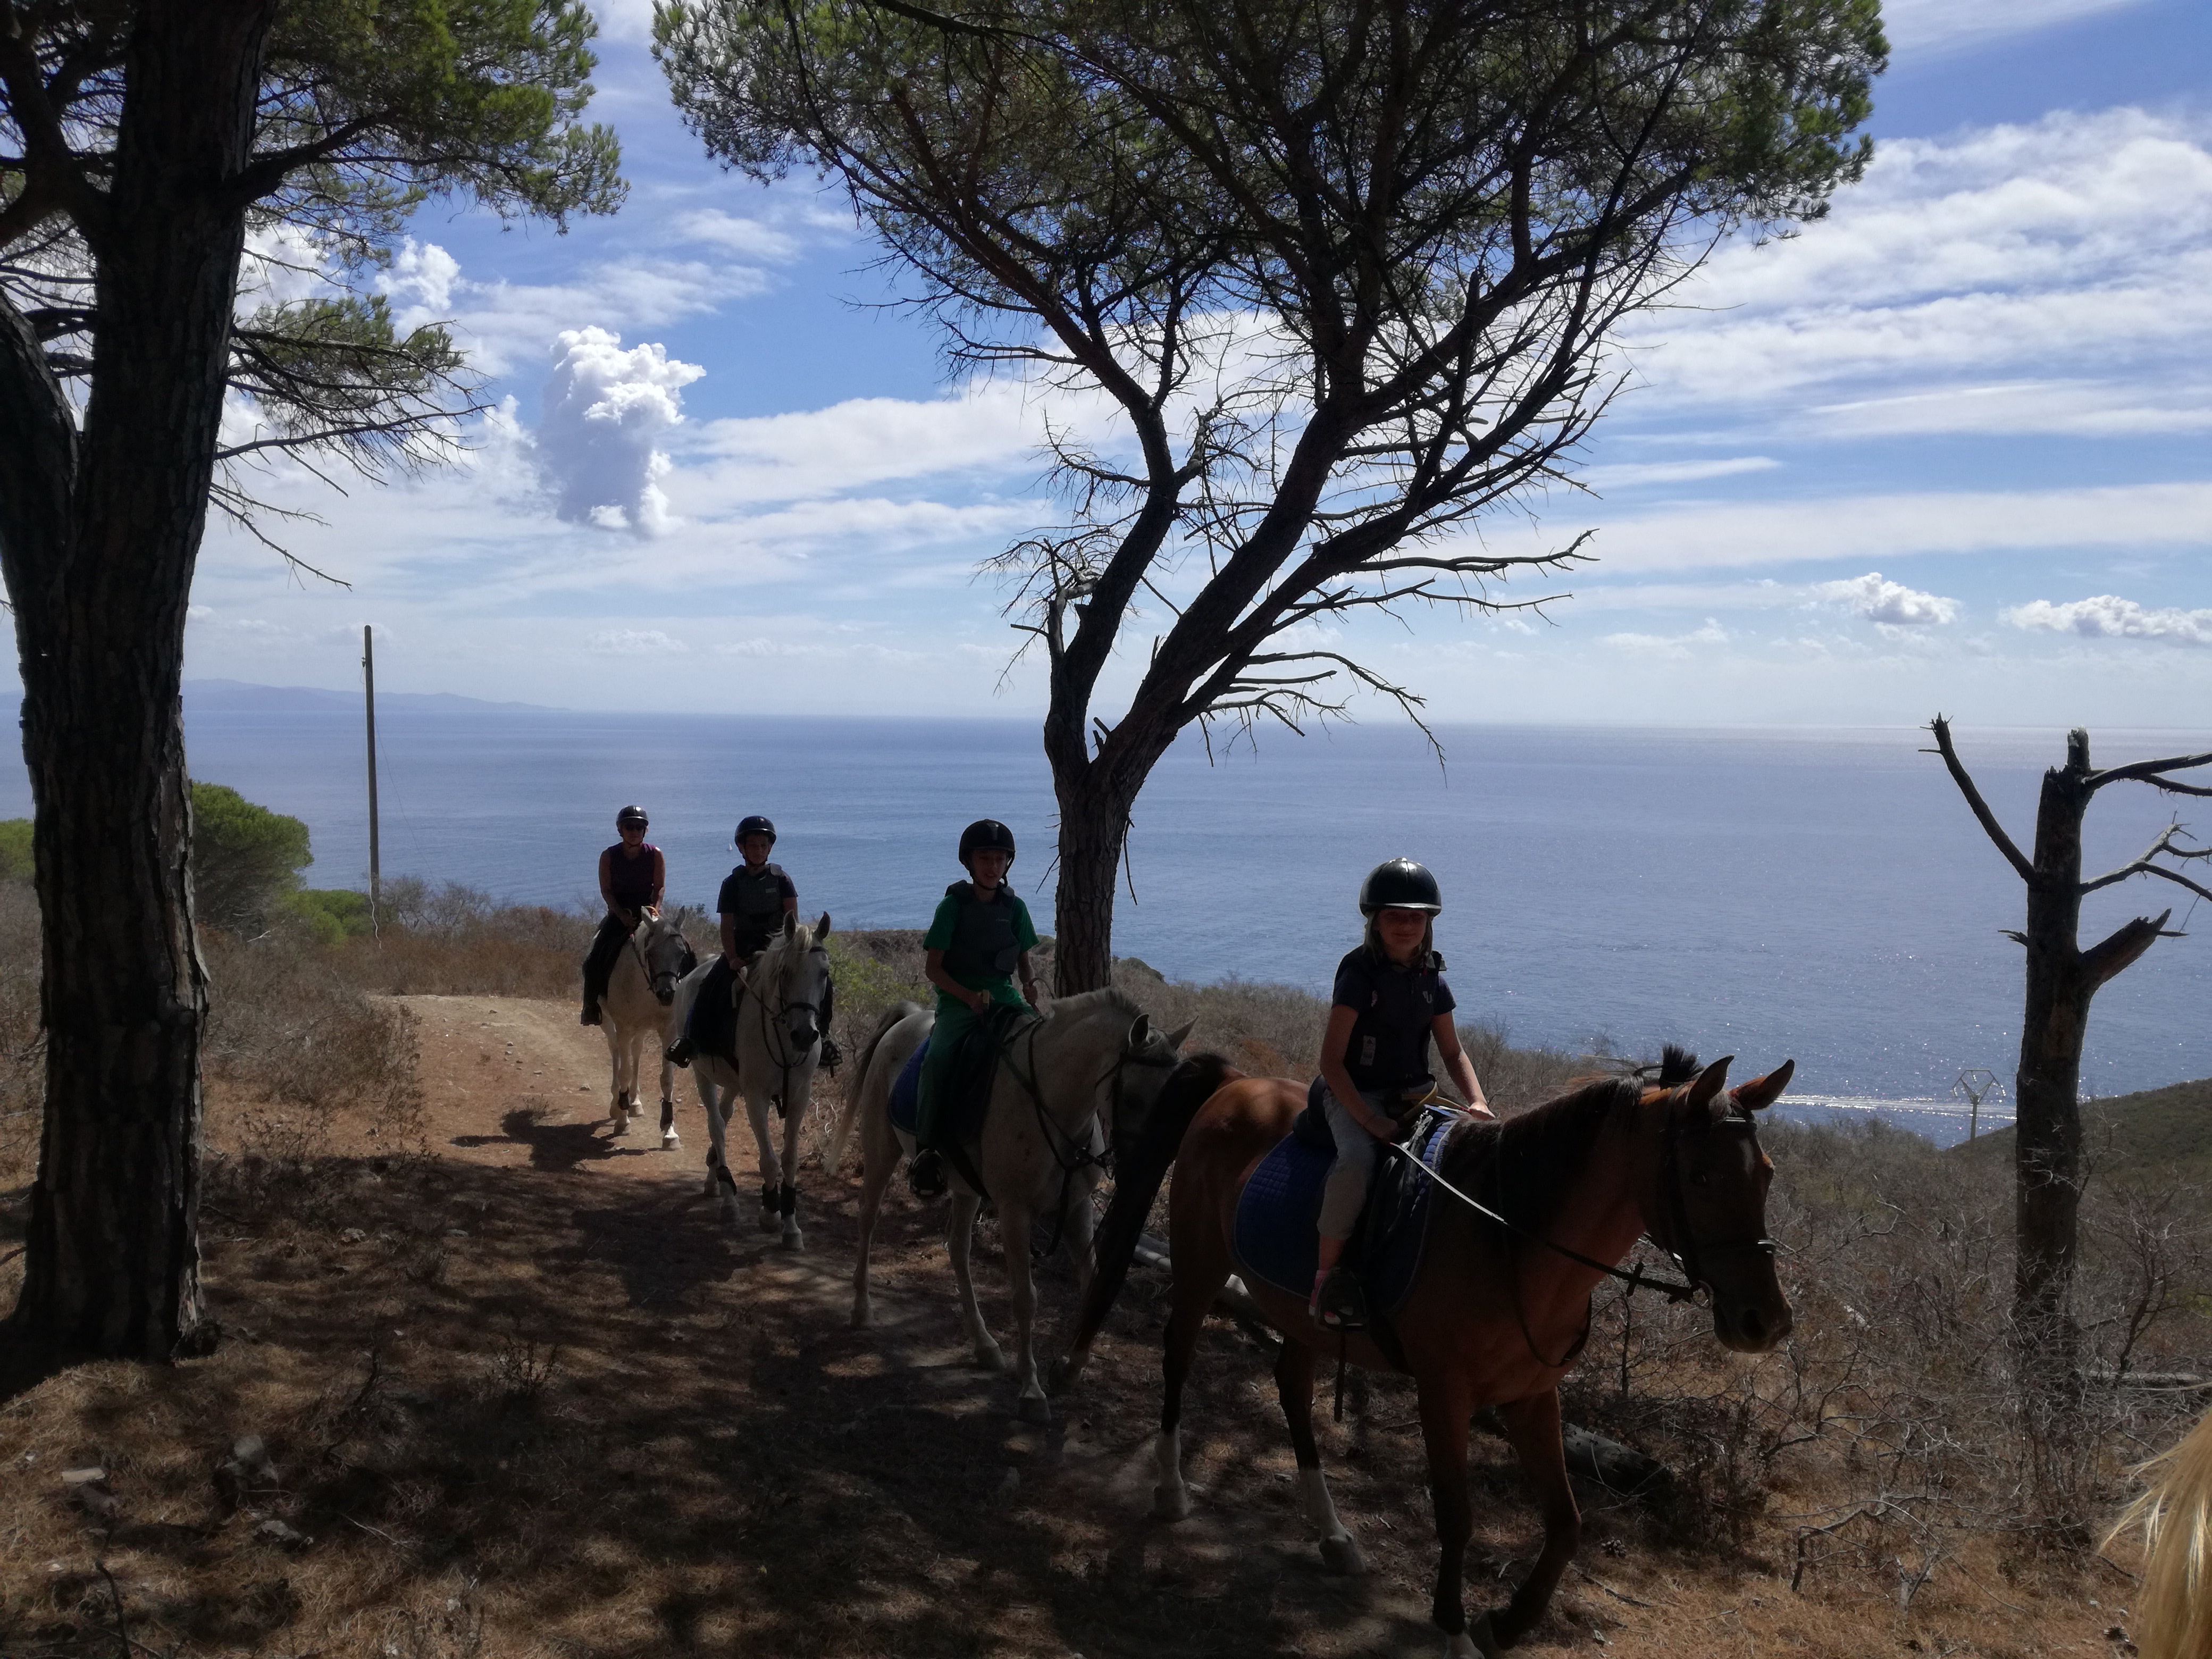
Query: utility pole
375, 874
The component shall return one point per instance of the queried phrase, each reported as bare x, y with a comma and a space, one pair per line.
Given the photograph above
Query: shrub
329, 916
245, 859
16, 849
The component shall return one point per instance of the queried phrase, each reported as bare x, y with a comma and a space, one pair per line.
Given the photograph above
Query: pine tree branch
2014, 856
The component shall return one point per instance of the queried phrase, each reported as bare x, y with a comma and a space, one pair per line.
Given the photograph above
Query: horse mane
1522, 1167
1677, 1065
2172, 1613
1085, 1002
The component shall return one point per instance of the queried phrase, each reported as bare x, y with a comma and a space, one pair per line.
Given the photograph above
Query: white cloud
2054, 275
1669, 646
1930, 25
752, 238
1635, 474
2135, 517
599, 440
636, 642
2108, 616
1880, 600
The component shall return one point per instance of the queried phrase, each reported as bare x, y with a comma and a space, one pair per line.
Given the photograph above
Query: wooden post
375, 874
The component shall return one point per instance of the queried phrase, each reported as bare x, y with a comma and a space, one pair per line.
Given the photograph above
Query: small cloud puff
634, 642
1880, 600
2108, 616
598, 442
1673, 646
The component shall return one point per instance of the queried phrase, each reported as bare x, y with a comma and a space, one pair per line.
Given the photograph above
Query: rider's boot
926, 1174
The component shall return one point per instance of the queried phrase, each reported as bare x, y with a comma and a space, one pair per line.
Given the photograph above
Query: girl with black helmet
978, 941
754, 898
1389, 1003
632, 878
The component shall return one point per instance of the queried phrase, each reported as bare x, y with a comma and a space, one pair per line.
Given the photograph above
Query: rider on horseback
754, 899
1390, 1002
632, 877
980, 938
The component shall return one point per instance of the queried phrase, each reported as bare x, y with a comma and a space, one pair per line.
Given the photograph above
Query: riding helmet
755, 825
1400, 884
984, 834
630, 815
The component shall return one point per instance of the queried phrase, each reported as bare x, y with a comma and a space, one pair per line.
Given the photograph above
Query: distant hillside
240, 697
2161, 1132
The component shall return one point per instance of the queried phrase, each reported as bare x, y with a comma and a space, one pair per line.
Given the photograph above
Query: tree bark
111, 1262
2055, 1018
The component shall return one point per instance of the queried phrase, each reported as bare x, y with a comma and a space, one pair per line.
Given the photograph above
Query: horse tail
1138, 1169
850, 1114
2173, 1607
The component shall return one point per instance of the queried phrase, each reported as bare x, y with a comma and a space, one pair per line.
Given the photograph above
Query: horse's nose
666, 993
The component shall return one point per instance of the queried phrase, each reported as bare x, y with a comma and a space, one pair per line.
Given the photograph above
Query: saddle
966, 1085
1275, 1238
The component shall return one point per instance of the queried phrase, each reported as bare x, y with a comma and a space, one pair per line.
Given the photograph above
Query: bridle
775, 1029
653, 980
1071, 1151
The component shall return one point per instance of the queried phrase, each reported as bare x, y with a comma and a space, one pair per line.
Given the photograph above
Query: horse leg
960, 1241
1445, 1409
1533, 1427
880, 1157
721, 1185
1199, 1274
786, 1192
617, 1119
668, 1140
771, 1167
1294, 1386
1029, 1405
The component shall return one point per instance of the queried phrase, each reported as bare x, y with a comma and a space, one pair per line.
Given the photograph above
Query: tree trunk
1094, 819
111, 1263
2047, 1168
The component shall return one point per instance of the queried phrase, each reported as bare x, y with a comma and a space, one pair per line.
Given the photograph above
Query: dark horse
1497, 1316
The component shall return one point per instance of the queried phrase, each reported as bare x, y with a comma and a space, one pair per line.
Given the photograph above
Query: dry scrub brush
1887, 1443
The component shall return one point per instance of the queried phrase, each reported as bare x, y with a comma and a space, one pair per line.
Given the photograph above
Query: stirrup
680, 1052
925, 1174
1339, 1302
831, 1056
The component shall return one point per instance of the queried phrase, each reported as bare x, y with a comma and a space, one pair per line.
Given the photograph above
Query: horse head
665, 954
801, 978
1148, 1057
1708, 1204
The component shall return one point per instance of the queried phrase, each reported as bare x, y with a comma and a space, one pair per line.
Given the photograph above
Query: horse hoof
618, 1125
1061, 1377
669, 1143
1343, 1555
863, 1317
989, 1357
794, 1240
1478, 1639
1033, 1408
1171, 1503
770, 1222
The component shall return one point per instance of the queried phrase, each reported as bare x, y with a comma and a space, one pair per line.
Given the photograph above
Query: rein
1078, 1155
1636, 1279
774, 1037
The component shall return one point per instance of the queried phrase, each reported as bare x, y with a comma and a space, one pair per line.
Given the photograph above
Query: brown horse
1499, 1309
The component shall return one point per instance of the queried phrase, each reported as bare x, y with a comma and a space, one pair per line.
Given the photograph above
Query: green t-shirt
944, 928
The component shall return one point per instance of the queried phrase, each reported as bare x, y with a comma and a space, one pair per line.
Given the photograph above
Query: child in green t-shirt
980, 938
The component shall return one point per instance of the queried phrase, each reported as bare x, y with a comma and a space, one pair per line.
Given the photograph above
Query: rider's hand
980, 1001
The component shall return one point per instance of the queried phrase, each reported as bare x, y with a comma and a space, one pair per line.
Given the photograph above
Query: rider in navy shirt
632, 876
1389, 1003
754, 901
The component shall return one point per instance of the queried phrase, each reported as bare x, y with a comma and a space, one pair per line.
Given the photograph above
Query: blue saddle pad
906, 1089
1278, 1213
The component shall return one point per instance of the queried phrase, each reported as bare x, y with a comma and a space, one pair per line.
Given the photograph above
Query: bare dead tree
2062, 979
1341, 278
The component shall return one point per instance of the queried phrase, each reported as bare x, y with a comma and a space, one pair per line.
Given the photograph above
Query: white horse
1091, 1057
635, 1010
779, 1032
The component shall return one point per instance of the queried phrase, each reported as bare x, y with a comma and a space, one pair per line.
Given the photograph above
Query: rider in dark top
754, 899
633, 875
1389, 1003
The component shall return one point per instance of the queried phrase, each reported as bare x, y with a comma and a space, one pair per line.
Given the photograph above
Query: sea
1820, 893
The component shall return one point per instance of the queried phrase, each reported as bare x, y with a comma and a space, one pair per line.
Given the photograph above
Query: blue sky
1950, 448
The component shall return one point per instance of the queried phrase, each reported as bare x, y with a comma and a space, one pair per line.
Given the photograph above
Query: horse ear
1707, 1087
821, 928
1180, 1035
790, 923
1762, 1092
1140, 1032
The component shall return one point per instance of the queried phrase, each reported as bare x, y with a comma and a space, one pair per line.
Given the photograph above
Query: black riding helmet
984, 834
755, 825
1400, 884
630, 815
